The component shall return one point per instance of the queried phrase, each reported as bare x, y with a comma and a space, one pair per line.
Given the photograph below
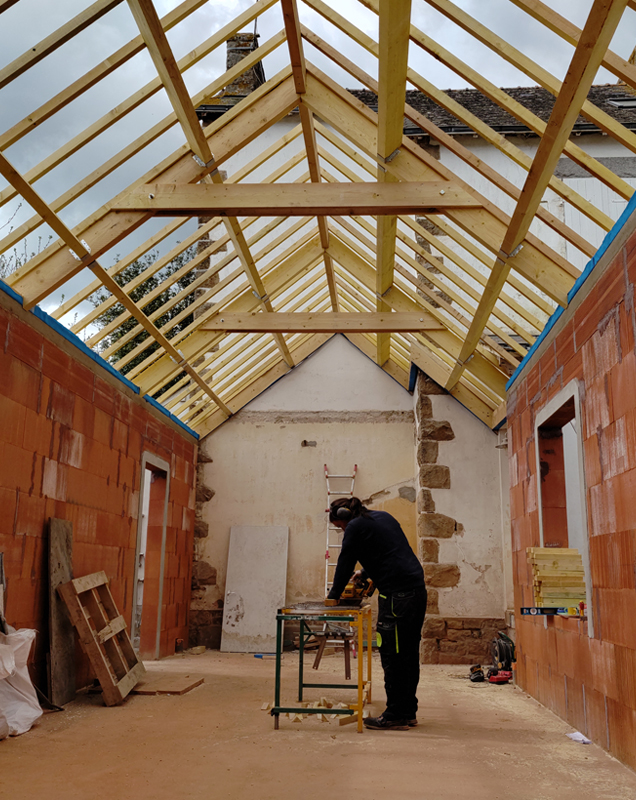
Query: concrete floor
474, 741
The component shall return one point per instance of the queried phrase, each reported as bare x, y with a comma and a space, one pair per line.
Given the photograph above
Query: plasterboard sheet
255, 588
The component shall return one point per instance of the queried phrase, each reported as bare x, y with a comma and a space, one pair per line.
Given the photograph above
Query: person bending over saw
376, 540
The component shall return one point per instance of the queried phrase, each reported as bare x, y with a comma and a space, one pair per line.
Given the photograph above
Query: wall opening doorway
561, 481
150, 556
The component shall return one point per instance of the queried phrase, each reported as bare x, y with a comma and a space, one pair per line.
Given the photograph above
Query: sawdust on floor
474, 741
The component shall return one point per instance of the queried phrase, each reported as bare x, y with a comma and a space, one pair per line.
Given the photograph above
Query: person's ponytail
346, 508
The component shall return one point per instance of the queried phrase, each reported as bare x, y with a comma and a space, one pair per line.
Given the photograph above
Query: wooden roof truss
352, 226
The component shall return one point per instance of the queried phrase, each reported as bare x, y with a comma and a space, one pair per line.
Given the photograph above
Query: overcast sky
29, 21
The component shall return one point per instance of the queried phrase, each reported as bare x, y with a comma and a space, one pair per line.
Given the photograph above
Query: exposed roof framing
304, 210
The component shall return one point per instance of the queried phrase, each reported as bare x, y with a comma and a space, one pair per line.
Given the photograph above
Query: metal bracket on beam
183, 363
81, 258
263, 299
201, 163
503, 256
389, 158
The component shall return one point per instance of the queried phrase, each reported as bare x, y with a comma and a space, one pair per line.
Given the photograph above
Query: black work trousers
399, 629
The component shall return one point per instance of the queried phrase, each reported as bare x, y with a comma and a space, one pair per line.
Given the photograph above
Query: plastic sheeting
19, 706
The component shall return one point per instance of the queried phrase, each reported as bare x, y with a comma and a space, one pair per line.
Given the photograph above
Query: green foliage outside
153, 281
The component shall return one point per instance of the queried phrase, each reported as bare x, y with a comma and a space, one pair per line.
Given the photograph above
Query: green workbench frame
356, 616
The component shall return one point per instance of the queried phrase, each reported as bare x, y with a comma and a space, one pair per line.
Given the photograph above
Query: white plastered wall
262, 475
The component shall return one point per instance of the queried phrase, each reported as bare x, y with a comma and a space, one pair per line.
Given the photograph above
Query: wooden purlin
592, 45
225, 283
466, 155
119, 266
88, 260
499, 96
127, 106
112, 164
227, 362
434, 304
93, 76
480, 366
138, 280
535, 72
449, 274
249, 365
51, 268
443, 288
172, 79
56, 39
470, 248
558, 24
353, 120
211, 420
299, 263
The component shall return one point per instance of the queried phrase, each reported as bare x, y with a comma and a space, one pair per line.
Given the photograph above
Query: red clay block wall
591, 682
71, 445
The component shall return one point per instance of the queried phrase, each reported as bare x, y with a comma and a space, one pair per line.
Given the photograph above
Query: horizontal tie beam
293, 199
328, 322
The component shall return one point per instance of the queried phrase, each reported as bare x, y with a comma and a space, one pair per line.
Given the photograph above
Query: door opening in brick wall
150, 557
561, 480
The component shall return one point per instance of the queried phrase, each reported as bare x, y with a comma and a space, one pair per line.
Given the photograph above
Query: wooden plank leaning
103, 635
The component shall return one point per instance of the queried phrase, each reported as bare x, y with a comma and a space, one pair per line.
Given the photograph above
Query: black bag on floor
502, 649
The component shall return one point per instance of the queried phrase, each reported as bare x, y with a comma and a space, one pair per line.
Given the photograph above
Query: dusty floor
474, 741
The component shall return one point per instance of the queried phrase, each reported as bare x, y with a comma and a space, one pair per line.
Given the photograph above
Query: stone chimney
238, 47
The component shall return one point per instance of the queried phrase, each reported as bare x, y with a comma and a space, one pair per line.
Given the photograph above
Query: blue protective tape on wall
589, 268
8, 290
79, 344
165, 411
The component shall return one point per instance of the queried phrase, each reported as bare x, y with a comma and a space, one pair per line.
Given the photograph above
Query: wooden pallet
103, 635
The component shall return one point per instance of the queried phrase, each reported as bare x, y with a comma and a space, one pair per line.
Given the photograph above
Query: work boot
381, 723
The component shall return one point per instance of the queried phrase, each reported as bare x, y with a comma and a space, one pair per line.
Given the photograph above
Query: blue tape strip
13, 295
80, 345
589, 268
165, 411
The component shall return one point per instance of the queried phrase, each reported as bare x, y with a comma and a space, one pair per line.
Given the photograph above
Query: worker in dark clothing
376, 540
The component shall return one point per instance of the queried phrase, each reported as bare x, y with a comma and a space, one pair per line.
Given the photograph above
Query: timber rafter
337, 222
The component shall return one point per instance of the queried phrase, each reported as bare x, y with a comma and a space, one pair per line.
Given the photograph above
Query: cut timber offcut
103, 635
